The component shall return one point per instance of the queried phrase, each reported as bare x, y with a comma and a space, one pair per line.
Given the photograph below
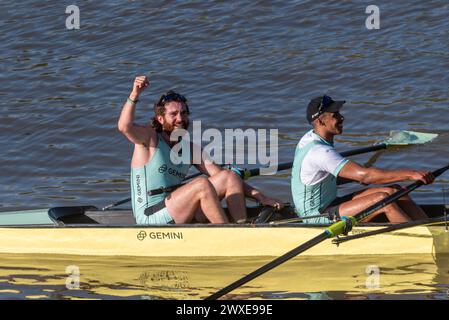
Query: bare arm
353, 171
135, 133
253, 193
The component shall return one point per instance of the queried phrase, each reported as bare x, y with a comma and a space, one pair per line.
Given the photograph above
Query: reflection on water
355, 277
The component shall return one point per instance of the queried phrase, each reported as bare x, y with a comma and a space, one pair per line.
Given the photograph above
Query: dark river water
245, 64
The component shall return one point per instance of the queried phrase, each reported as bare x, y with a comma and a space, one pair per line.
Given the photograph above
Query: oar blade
402, 137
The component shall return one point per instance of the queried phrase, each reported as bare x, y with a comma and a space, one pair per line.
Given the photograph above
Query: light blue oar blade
399, 137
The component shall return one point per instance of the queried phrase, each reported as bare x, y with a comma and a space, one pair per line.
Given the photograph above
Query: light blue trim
26, 217
339, 167
160, 217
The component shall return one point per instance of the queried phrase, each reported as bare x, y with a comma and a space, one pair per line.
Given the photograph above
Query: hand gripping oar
401, 138
342, 226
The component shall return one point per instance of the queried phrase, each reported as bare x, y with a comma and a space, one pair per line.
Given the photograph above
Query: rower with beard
317, 165
152, 168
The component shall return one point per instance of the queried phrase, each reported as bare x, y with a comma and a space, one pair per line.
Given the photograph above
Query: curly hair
159, 107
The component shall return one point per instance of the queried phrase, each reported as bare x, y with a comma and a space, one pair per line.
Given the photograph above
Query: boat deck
90, 216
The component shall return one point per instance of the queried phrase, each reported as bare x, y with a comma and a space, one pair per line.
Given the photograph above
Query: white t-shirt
319, 162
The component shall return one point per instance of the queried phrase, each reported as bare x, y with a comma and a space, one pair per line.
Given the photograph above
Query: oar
337, 201
299, 219
343, 226
396, 138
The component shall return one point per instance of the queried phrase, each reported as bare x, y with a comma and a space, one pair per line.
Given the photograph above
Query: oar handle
355, 152
116, 204
176, 186
325, 215
164, 190
288, 165
256, 171
399, 194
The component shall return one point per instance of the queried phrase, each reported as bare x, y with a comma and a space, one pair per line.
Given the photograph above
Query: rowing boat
86, 230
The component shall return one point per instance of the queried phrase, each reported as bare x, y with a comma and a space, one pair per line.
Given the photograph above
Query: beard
169, 128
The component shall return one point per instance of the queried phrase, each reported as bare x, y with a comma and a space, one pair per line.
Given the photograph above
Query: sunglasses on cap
172, 97
325, 102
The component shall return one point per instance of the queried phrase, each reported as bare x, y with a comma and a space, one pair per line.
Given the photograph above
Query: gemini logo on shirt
139, 189
171, 171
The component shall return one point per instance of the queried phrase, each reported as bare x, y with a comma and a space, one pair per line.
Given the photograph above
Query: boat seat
118, 217
91, 215
71, 215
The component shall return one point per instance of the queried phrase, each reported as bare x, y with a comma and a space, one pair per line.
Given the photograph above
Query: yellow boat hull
214, 241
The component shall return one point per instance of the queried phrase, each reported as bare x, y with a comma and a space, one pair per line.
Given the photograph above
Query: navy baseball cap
319, 105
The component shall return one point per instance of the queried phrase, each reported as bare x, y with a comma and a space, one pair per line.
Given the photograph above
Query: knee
229, 178
231, 182
233, 177
203, 185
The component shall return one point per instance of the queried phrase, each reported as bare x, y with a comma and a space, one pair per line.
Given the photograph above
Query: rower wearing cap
317, 165
152, 167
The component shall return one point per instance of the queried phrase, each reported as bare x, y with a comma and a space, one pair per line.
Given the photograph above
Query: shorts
155, 214
332, 211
